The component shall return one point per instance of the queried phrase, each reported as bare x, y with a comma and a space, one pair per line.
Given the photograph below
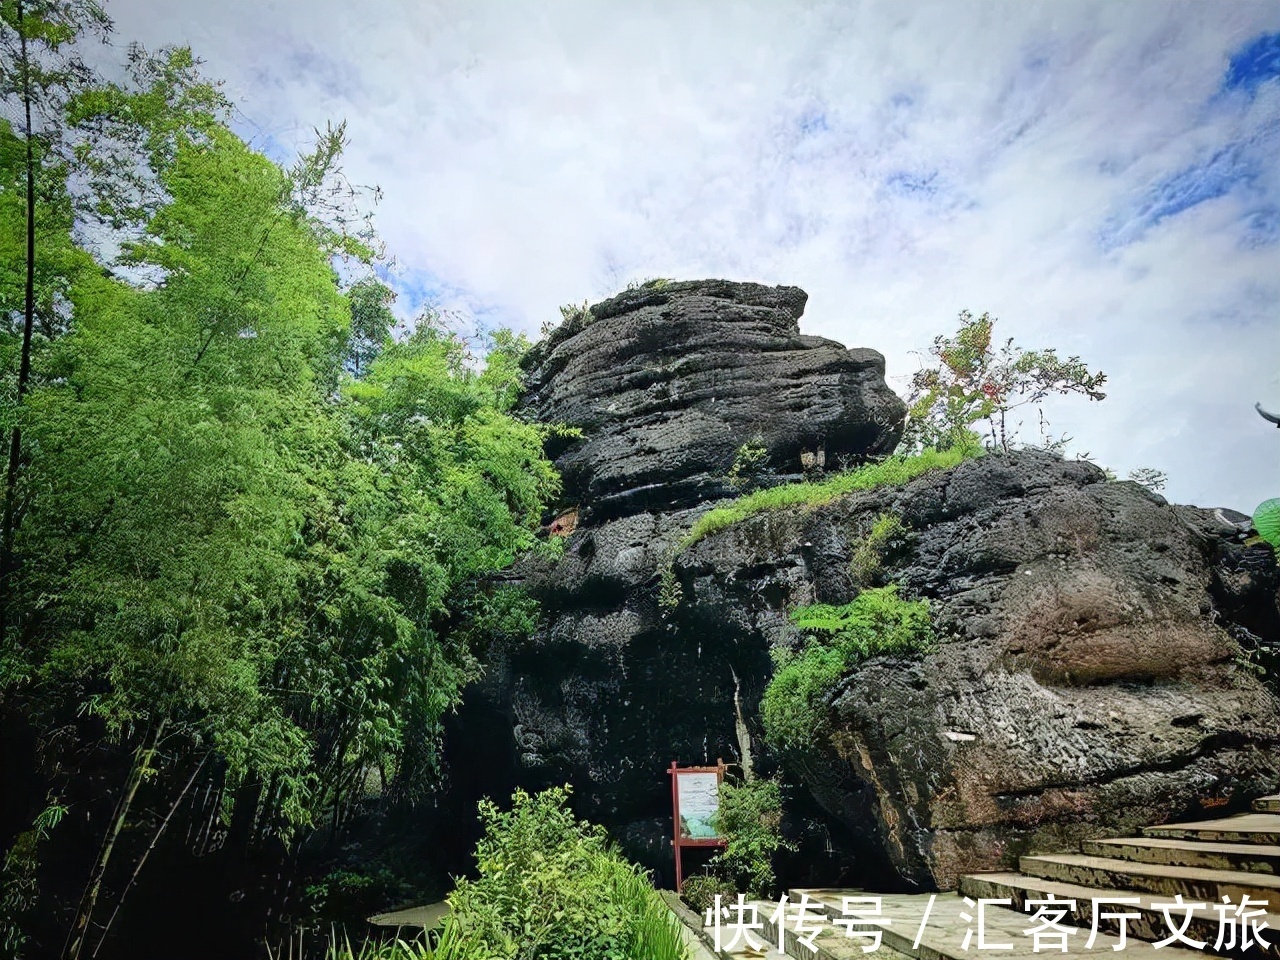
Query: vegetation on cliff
890, 471
878, 621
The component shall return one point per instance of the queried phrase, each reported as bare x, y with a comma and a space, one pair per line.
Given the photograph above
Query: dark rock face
1094, 672
1087, 681
667, 383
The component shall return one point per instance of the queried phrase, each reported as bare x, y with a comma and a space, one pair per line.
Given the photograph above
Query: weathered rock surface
668, 382
1086, 681
1095, 671
665, 384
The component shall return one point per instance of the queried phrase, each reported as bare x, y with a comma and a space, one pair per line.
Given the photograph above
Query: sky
1103, 178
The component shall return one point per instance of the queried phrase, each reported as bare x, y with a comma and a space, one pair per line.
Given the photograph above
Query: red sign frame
678, 840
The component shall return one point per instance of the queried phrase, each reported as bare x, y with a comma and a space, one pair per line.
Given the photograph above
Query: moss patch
892, 471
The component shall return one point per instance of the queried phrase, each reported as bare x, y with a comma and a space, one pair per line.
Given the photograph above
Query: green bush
750, 820
888, 534
553, 888
891, 471
877, 621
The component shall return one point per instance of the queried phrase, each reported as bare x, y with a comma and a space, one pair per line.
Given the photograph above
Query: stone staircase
1202, 862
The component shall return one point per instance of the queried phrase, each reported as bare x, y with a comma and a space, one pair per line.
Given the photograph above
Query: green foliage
58, 263
670, 590
887, 536
973, 384
19, 890
894, 470
1266, 520
1149, 477
749, 465
551, 887
247, 525
878, 621
371, 323
231, 547
750, 820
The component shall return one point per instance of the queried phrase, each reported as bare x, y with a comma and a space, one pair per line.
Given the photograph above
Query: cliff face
667, 383
1086, 681
1088, 677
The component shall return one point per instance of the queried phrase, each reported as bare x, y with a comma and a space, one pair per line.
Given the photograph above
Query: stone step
942, 936
1269, 804
831, 942
1194, 883
1149, 925
1242, 828
1250, 857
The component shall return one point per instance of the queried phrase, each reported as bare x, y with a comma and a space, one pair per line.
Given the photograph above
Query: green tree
39, 72
245, 575
973, 384
371, 323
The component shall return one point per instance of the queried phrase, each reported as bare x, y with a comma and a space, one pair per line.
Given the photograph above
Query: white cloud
899, 161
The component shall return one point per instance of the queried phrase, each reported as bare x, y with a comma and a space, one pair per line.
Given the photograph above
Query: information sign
695, 797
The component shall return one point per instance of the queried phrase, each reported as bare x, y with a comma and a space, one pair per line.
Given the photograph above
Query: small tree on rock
974, 386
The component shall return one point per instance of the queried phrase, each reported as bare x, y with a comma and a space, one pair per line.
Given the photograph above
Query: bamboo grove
241, 520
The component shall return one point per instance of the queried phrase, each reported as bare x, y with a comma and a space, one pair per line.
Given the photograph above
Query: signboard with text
695, 798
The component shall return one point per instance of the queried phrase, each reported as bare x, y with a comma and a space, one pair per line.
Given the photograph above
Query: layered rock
667, 382
665, 385
1087, 680
1090, 676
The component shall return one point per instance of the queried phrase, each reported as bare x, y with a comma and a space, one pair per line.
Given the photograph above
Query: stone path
1197, 864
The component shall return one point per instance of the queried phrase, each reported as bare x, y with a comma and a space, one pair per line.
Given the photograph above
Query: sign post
695, 798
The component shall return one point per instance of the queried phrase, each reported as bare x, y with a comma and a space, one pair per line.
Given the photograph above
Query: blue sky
1101, 177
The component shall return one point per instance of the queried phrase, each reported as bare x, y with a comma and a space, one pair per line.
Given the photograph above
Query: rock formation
1090, 676
1087, 679
668, 382
666, 385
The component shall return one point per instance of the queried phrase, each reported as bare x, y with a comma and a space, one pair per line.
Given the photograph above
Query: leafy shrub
888, 533
700, 890
551, 887
892, 470
974, 384
749, 466
750, 820
1266, 520
877, 621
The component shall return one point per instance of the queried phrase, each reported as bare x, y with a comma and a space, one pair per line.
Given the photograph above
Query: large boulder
1088, 681
665, 385
668, 381
1099, 648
